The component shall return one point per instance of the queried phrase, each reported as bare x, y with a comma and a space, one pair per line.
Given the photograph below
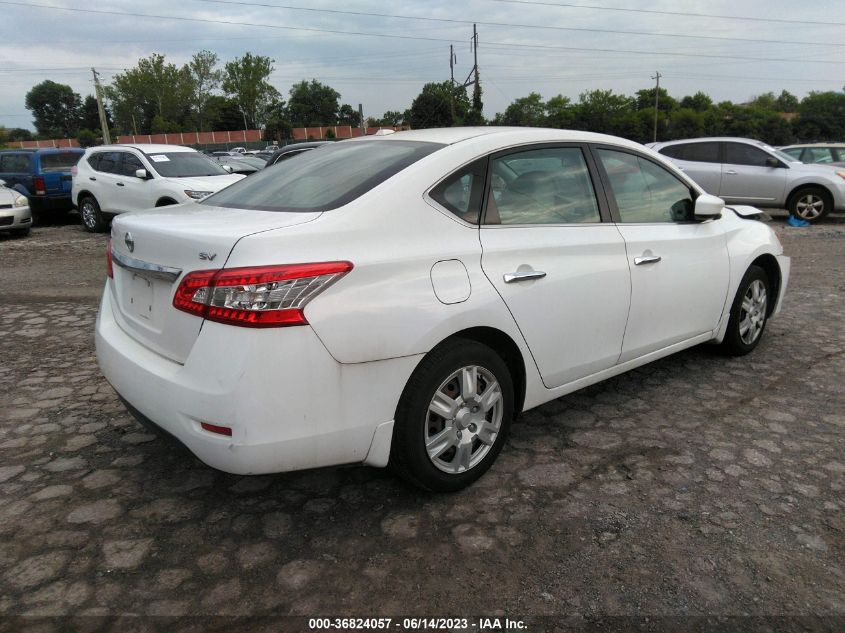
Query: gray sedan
15, 216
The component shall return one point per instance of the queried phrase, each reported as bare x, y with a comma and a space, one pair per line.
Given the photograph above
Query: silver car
745, 171
817, 153
15, 216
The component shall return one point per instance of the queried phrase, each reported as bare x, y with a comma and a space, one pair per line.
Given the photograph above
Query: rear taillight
256, 296
38, 185
109, 267
74, 171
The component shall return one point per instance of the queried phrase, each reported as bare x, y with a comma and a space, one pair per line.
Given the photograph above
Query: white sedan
398, 300
15, 214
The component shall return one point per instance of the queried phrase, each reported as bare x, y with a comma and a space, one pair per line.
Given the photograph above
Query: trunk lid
154, 249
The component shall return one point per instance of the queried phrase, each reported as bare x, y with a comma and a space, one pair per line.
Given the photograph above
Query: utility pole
657, 76
104, 123
452, 60
362, 125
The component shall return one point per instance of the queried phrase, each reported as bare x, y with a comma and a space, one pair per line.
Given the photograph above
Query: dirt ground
692, 489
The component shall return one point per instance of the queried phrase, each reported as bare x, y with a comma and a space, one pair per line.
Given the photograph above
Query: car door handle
120, 184
523, 275
730, 172
91, 178
646, 259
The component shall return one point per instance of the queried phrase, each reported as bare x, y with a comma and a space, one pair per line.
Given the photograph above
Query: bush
87, 138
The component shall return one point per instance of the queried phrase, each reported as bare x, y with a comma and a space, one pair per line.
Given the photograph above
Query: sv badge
208, 256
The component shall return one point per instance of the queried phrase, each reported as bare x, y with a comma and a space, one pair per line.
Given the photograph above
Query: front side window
644, 191
741, 154
461, 193
325, 179
542, 186
131, 164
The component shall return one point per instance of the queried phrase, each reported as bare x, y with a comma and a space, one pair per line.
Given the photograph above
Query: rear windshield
322, 179
185, 165
61, 161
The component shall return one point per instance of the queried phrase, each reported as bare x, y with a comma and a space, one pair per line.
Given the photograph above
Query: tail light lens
74, 171
38, 185
109, 266
259, 296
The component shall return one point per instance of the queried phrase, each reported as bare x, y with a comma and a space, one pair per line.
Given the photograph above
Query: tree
55, 108
645, 99
765, 101
392, 118
528, 111
475, 116
205, 77
89, 117
223, 114
559, 113
153, 88
87, 138
698, 102
245, 79
278, 127
347, 115
602, 111
787, 102
821, 117
434, 105
314, 104
18, 134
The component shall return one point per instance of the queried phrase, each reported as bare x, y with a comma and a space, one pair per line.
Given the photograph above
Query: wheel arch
769, 264
165, 201
808, 185
507, 349
82, 194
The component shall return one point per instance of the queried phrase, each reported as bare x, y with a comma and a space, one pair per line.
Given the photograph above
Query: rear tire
749, 313
92, 217
453, 417
810, 204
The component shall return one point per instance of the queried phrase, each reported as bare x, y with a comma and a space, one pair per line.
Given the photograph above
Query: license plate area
141, 297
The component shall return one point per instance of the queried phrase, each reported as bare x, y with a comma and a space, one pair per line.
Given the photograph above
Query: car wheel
749, 313
811, 204
92, 217
453, 416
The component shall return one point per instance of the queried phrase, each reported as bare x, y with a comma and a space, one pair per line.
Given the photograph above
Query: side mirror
2, 183
143, 174
708, 207
771, 161
229, 168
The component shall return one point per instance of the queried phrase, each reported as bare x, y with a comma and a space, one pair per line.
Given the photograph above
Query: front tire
810, 204
453, 416
749, 313
92, 217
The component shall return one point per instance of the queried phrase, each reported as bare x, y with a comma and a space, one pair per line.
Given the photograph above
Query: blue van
42, 175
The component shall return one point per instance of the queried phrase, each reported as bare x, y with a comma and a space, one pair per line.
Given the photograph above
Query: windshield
322, 179
185, 165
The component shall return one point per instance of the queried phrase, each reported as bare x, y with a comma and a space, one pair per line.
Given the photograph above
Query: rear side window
61, 161
325, 178
461, 193
696, 152
108, 162
818, 155
14, 163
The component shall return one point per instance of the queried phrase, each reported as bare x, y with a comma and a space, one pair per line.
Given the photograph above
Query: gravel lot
695, 486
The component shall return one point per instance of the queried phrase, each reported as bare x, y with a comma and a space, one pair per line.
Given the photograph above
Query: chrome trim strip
145, 268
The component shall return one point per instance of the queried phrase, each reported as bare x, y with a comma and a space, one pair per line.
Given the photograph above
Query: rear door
700, 161
560, 269
679, 267
105, 179
747, 178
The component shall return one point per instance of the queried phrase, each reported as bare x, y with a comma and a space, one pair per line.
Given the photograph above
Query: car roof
813, 145
452, 135
42, 150
147, 148
704, 139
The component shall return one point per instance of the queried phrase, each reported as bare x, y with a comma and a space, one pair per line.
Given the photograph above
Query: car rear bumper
289, 404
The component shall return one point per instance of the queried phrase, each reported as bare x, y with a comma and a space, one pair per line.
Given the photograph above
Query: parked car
239, 150
294, 149
15, 214
245, 165
113, 179
42, 175
817, 153
744, 171
377, 301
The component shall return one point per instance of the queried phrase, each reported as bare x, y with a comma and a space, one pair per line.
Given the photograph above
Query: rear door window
818, 155
108, 162
60, 161
695, 152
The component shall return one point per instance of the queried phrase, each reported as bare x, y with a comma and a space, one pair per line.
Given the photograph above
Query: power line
567, 5
405, 37
502, 24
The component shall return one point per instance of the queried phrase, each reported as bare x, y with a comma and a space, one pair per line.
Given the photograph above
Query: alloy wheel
752, 316
89, 214
809, 206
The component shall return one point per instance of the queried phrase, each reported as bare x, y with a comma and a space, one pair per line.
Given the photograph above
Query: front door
561, 271
679, 267
746, 178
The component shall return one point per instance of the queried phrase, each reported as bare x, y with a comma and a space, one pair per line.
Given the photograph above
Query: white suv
112, 179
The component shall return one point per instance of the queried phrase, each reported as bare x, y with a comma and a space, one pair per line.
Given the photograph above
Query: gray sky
727, 58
